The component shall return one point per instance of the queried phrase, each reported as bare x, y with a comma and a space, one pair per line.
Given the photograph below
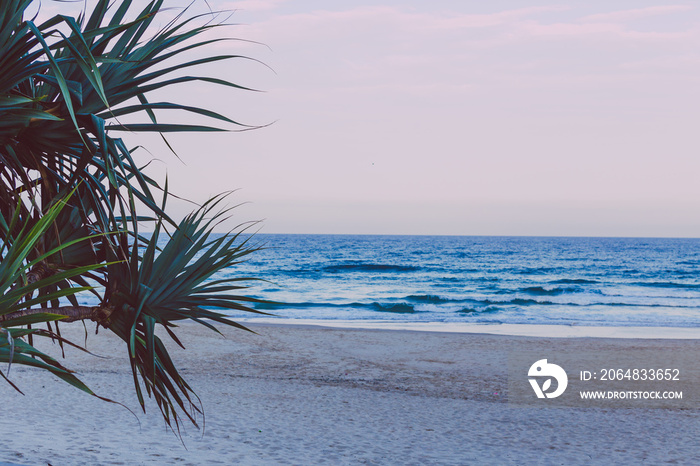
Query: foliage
14, 297
70, 189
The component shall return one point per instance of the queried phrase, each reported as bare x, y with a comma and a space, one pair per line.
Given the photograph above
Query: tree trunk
72, 313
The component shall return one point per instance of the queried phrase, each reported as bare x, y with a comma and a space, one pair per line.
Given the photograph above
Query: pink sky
497, 118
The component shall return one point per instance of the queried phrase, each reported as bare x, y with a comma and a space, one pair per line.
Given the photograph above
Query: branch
72, 313
38, 272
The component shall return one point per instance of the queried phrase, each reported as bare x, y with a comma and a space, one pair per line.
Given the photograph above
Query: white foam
527, 330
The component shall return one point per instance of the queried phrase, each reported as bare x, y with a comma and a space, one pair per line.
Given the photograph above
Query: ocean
474, 279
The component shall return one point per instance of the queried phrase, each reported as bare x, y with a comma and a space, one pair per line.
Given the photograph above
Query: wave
515, 302
486, 310
693, 272
427, 298
540, 291
692, 286
432, 304
534, 302
535, 270
370, 268
574, 281
341, 268
399, 308
437, 300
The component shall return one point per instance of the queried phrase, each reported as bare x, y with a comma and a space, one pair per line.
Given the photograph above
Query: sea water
518, 280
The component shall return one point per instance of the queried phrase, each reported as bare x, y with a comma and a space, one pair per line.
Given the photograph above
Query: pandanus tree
72, 193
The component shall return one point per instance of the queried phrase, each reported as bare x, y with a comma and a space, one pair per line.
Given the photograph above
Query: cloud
602, 29
686, 63
534, 28
637, 13
466, 21
379, 48
404, 18
253, 5
411, 28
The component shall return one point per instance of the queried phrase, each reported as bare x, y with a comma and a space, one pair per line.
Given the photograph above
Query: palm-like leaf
61, 92
16, 294
64, 86
161, 287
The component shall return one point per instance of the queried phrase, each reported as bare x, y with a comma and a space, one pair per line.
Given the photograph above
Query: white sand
306, 395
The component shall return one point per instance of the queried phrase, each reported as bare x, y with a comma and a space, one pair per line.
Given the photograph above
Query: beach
303, 394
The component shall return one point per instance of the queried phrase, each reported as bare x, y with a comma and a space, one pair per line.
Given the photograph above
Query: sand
313, 395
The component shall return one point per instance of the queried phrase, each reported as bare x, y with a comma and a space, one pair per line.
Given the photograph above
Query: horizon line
455, 235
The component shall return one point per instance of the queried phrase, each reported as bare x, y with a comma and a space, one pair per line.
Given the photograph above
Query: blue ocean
519, 280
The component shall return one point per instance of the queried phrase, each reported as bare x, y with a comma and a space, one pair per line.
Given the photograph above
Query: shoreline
521, 330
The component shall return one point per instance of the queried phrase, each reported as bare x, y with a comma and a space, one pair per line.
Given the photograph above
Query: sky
505, 117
